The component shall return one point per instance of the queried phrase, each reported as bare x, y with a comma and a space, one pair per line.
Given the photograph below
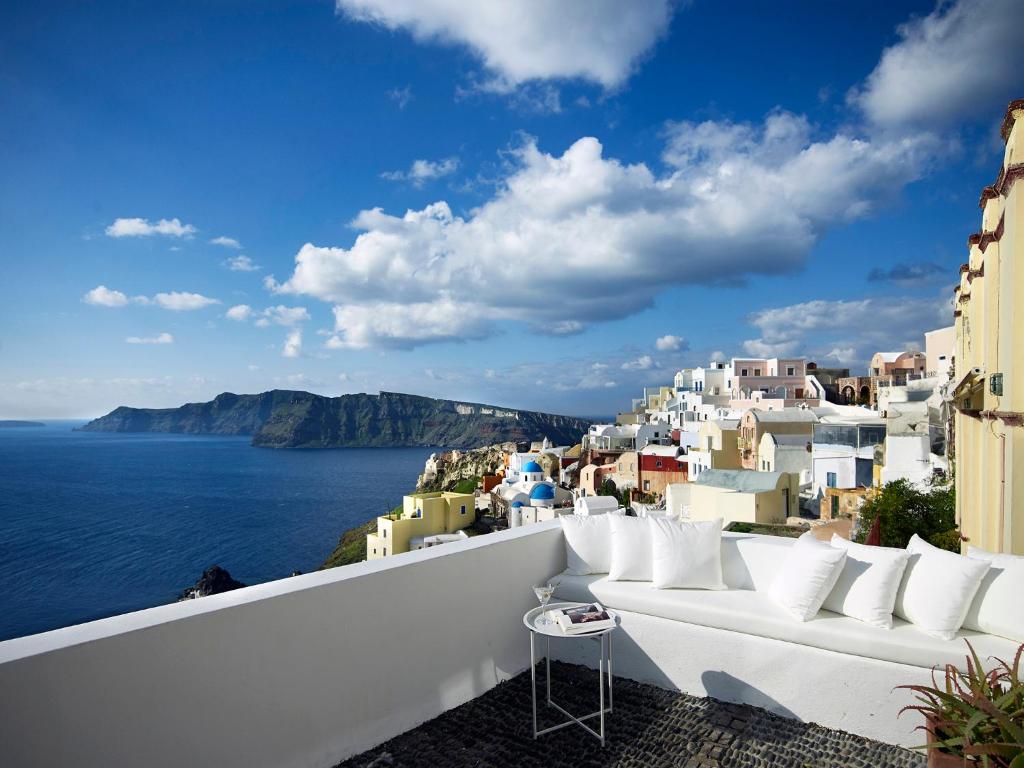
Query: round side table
553, 630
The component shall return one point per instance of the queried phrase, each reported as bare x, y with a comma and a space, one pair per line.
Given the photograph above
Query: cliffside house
423, 515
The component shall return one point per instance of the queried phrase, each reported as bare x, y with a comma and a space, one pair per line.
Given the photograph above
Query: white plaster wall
841, 691
845, 468
303, 671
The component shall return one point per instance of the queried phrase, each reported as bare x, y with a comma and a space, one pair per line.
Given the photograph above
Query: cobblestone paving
649, 727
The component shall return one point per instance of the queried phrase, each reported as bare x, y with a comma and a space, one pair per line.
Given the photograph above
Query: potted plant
975, 717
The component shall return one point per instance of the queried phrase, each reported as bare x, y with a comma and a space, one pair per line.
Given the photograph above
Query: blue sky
535, 205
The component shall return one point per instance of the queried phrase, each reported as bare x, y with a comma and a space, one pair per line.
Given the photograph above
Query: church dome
532, 466
542, 492
517, 503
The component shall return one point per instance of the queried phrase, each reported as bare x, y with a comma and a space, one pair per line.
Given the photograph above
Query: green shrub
466, 485
904, 510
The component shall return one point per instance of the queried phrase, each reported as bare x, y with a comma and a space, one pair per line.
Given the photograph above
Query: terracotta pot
938, 758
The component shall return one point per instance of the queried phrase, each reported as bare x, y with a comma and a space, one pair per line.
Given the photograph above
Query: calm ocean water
96, 524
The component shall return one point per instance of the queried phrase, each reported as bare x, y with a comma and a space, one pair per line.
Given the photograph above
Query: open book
581, 619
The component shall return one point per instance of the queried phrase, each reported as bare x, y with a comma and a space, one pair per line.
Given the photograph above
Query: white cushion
686, 555
937, 588
756, 615
867, 585
998, 608
807, 576
631, 549
750, 561
588, 543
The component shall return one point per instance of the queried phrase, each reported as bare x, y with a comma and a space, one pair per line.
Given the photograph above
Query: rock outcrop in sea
213, 581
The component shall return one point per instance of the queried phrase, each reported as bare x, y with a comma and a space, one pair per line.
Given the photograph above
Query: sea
93, 524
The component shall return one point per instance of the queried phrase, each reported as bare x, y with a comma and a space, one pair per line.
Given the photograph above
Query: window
647, 485
743, 371
790, 370
757, 371
463, 510
658, 463
384, 533
830, 479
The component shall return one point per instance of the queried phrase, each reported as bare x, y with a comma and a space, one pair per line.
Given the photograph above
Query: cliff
287, 419
445, 471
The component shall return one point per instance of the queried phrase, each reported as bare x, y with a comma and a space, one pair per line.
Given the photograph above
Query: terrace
420, 658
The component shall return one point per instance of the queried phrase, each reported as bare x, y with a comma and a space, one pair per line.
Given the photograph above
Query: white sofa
739, 645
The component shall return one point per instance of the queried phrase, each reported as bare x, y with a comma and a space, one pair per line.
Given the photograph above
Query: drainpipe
1002, 487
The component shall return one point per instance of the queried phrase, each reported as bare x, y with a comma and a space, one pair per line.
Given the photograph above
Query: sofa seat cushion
755, 613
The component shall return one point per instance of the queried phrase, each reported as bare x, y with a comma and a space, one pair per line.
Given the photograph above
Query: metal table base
605, 661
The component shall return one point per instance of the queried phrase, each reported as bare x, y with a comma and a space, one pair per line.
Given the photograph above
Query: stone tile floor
649, 727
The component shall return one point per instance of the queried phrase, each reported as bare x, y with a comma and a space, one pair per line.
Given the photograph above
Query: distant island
290, 419
12, 423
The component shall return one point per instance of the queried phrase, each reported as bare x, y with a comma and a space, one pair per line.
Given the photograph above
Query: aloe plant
975, 714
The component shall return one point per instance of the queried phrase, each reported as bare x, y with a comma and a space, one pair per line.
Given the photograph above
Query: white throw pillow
938, 587
807, 576
998, 608
631, 549
588, 543
867, 585
686, 555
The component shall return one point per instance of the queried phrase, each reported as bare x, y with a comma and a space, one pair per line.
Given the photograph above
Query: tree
904, 510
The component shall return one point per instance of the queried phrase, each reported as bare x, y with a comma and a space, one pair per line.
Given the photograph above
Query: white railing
304, 671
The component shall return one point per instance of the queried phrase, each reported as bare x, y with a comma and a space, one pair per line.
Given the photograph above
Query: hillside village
779, 444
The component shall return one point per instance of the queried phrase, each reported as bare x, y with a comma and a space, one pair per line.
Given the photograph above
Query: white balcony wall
304, 671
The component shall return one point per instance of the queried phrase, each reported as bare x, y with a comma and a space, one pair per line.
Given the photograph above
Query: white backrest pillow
631, 549
938, 588
752, 562
686, 555
867, 585
588, 543
998, 607
807, 576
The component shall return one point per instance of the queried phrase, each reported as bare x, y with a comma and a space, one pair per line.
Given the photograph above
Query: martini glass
544, 593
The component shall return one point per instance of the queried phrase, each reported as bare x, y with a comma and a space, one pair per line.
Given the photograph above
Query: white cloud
401, 96
596, 40
144, 228
964, 58
163, 338
642, 363
761, 348
670, 343
227, 242
239, 312
422, 171
717, 356
241, 264
282, 315
292, 344
403, 326
181, 301
849, 331
577, 238
101, 296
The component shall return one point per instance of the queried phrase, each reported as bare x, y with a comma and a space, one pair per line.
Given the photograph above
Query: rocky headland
290, 419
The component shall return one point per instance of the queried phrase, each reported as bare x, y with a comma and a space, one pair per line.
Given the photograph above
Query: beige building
938, 351
988, 378
755, 423
785, 453
741, 495
717, 447
424, 516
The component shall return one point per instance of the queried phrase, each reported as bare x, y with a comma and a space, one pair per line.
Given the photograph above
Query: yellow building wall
989, 322
725, 450
423, 514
